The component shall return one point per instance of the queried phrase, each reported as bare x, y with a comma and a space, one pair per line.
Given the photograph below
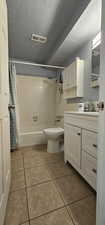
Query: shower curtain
12, 106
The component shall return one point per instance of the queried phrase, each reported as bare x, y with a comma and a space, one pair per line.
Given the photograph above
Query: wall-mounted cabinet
77, 77
73, 80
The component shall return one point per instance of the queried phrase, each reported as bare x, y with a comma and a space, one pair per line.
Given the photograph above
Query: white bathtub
31, 138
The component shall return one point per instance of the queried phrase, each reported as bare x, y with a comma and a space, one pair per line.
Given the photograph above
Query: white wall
35, 97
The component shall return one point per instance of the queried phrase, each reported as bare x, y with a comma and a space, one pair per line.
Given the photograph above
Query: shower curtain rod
35, 64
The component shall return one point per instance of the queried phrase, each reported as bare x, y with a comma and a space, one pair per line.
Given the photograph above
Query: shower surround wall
39, 104
36, 103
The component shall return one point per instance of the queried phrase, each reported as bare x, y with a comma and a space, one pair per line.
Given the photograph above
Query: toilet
53, 136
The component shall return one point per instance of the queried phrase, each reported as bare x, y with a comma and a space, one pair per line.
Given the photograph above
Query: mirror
96, 43
96, 61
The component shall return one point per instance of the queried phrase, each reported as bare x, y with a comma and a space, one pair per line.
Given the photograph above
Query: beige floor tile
27, 223
34, 152
57, 170
37, 175
84, 211
17, 180
16, 154
17, 164
17, 212
42, 199
33, 161
58, 217
54, 158
73, 188
40, 147
30, 151
25, 149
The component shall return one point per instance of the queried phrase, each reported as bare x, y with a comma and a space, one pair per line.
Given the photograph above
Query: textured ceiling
87, 26
51, 18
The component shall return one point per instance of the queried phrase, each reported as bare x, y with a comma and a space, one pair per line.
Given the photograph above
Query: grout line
26, 192
27, 221
59, 193
70, 215
69, 211
79, 200
22, 188
47, 181
49, 212
73, 202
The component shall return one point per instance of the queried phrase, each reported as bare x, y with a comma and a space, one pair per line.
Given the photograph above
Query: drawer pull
94, 145
94, 171
79, 133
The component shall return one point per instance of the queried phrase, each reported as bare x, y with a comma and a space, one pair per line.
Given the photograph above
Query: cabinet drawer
89, 169
89, 142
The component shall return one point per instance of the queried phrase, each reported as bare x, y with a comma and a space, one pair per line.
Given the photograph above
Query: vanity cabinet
80, 146
73, 79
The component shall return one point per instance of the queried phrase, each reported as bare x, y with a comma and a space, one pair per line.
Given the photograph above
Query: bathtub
31, 138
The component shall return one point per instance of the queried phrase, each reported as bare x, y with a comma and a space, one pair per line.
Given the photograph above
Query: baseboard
36, 146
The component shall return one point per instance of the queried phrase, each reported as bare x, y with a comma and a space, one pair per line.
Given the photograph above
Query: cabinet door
73, 145
65, 79
69, 76
72, 80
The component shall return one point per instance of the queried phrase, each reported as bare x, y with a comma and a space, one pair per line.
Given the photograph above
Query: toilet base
53, 146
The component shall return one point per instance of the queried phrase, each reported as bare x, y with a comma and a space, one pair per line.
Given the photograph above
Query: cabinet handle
94, 145
79, 133
94, 170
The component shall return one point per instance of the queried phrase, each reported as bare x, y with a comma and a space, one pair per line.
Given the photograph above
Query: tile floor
45, 191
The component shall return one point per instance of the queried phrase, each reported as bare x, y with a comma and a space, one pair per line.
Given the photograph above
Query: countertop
94, 114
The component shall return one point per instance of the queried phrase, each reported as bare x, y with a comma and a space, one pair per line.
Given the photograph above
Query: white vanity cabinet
73, 76
80, 147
